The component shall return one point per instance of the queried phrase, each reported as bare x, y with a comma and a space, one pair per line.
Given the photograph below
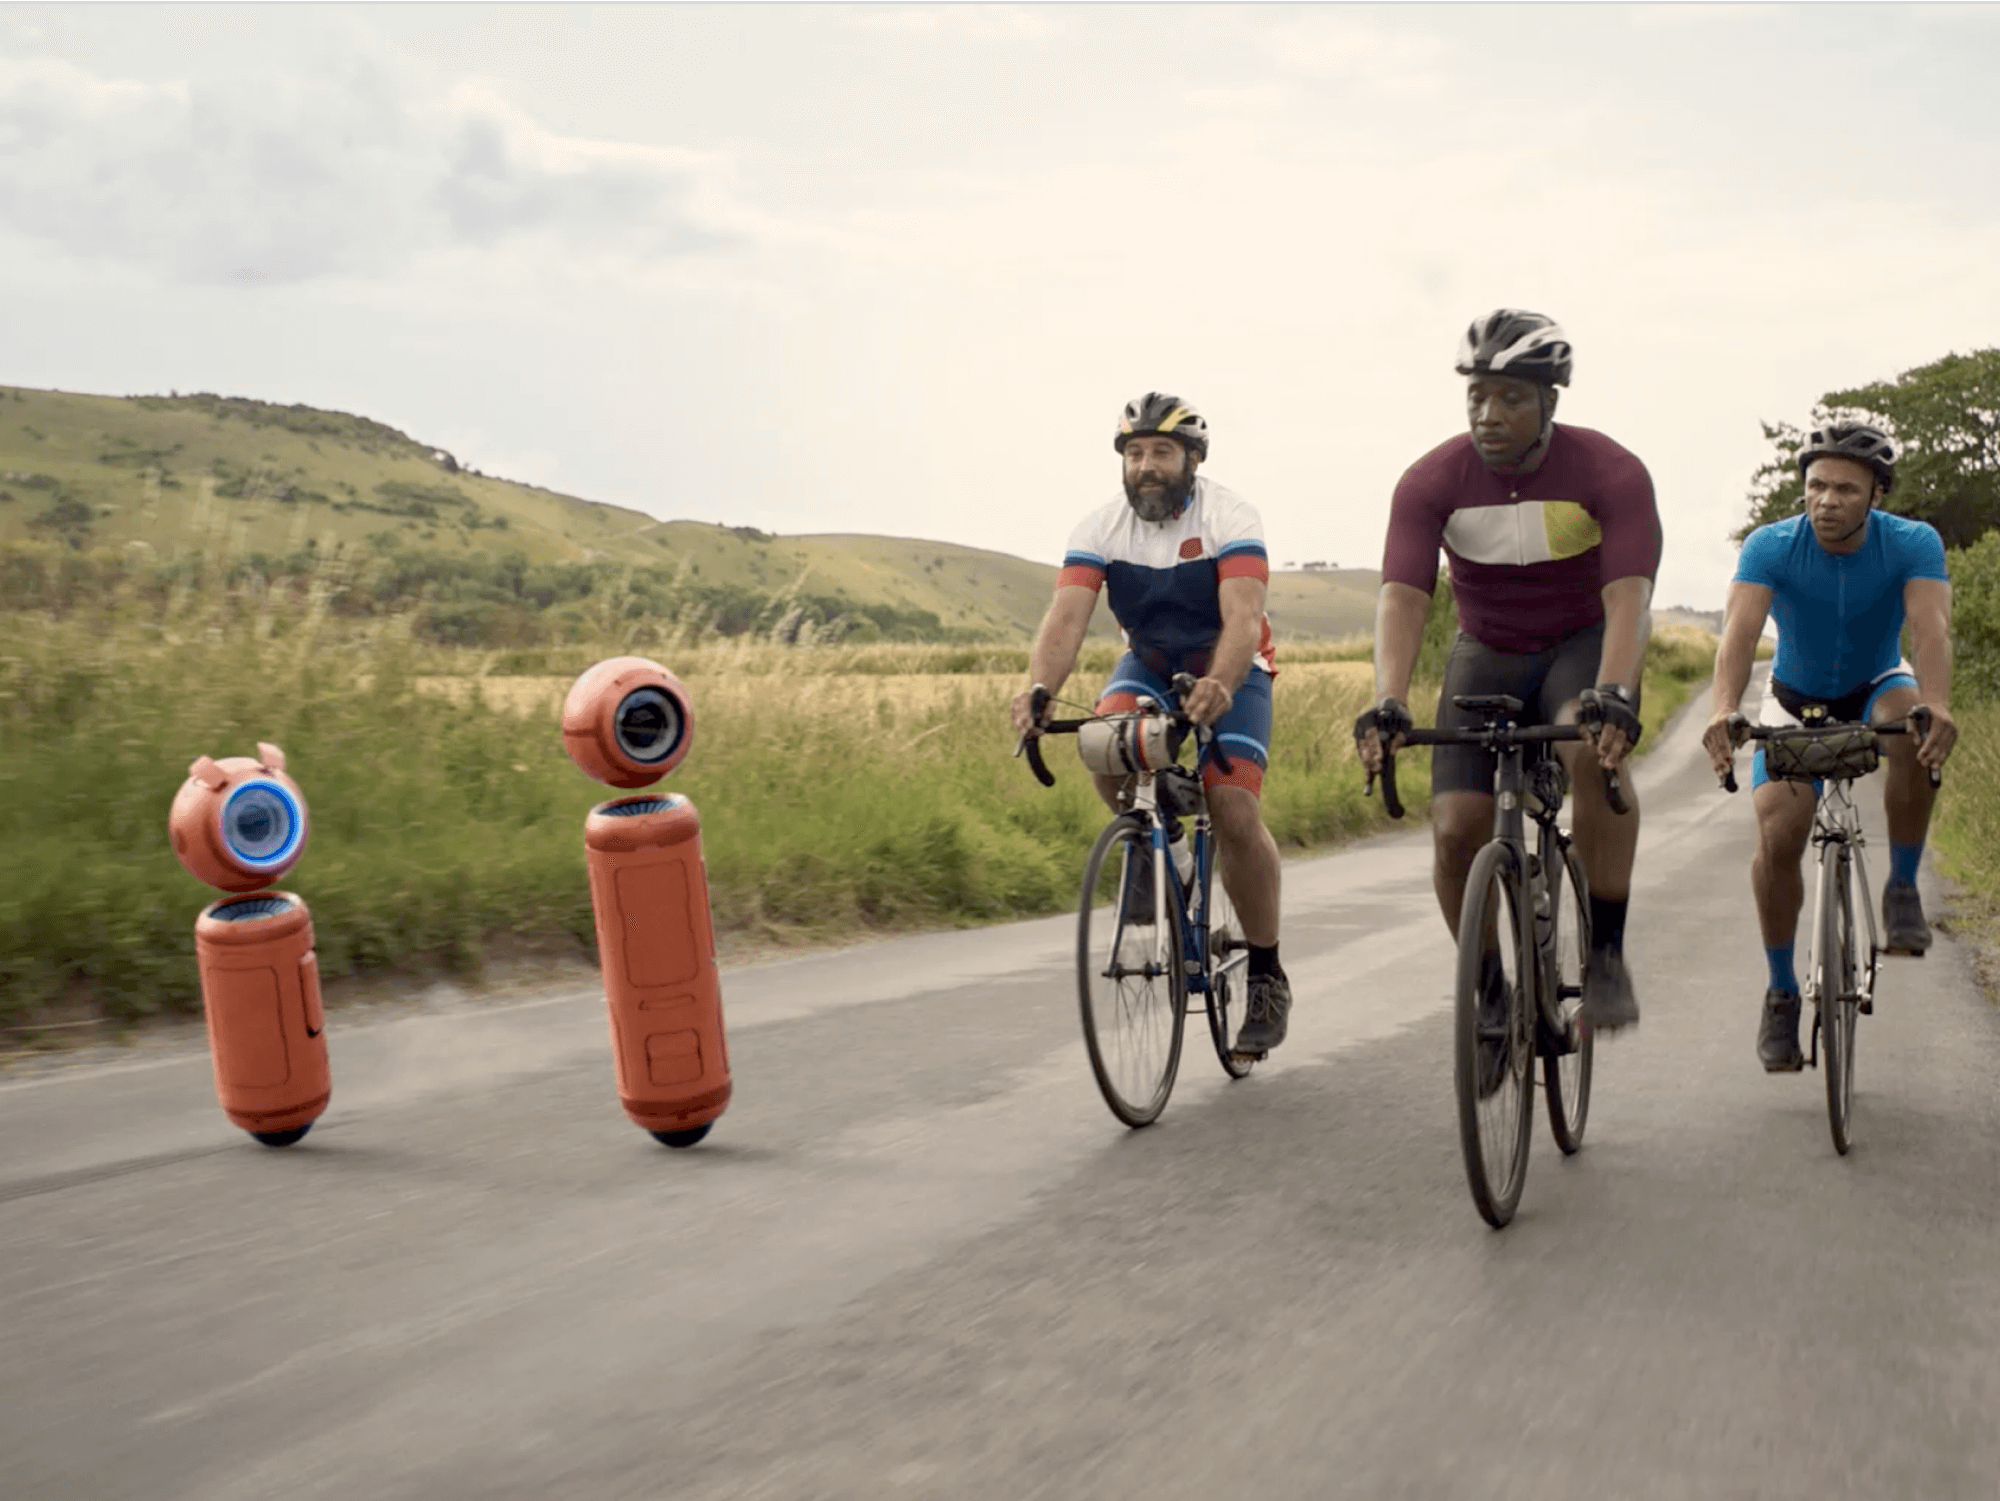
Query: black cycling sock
1264, 961
1607, 922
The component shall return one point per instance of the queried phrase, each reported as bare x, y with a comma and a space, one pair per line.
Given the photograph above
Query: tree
1944, 416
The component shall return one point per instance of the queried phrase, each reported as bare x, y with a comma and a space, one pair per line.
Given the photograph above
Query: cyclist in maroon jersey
1553, 540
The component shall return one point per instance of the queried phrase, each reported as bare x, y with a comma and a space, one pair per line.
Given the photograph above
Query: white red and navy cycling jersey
1164, 579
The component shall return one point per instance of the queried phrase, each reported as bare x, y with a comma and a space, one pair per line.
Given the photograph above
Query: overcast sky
895, 269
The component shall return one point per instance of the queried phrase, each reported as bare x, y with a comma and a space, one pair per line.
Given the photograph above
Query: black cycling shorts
1546, 681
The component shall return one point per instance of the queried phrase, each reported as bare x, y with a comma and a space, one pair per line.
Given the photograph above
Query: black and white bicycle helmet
1509, 341
1852, 440
1157, 412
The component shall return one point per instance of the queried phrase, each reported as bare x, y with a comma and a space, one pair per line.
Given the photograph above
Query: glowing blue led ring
262, 824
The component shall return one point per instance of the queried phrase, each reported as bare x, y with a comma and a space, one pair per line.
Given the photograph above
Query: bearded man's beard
1163, 504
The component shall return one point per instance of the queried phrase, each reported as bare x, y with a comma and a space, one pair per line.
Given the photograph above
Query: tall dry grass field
837, 793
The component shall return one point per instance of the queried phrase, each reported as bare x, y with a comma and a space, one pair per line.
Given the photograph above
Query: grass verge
833, 801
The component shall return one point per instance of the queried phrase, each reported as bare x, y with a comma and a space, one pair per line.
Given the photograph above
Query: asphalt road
917, 1257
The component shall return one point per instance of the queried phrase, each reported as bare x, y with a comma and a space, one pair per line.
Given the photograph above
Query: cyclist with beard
1840, 579
1184, 563
1553, 540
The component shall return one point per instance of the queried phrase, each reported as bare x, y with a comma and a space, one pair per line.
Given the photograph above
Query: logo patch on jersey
1191, 549
1529, 531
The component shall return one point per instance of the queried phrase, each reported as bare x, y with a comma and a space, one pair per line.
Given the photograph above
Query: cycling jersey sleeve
1758, 562
1923, 553
1417, 513
1083, 561
1239, 540
1630, 521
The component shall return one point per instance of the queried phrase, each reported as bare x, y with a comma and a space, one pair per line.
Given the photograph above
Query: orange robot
240, 824
627, 722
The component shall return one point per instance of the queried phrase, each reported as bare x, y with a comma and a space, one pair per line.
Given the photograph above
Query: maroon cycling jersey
1529, 552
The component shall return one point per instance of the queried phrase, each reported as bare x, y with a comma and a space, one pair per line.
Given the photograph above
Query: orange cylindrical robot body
656, 944
260, 993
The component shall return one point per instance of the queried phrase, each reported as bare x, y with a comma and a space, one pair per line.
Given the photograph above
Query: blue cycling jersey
1839, 615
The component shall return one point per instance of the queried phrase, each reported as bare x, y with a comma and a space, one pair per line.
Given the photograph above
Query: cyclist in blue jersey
1183, 561
1840, 580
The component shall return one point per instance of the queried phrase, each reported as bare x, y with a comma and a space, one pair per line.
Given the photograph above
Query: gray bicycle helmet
1509, 341
1852, 440
1157, 412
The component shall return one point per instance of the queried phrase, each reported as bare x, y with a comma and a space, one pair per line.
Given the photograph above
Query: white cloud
350, 171
1692, 15
976, 22
1332, 45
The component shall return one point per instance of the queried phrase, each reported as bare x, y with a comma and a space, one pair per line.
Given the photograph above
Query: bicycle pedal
1905, 953
1241, 1057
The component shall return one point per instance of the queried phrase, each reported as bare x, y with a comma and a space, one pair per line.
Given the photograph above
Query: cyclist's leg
1907, 796
1249, 863
1605, 841
1248, 855
1120, 695
1462, 775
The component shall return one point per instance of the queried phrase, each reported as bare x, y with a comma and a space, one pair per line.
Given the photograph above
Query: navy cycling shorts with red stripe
1244, 732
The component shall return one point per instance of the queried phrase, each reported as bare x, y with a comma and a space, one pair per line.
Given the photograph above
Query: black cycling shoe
1493, 1003
1266, 1009
1608, 1002
1778, 1036
1904, 930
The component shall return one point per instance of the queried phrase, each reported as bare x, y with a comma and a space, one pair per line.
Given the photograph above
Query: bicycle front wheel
1129, 984
1567, 1049
1495, 1053
1839, 995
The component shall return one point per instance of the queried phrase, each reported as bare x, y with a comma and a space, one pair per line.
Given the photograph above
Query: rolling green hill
233, 480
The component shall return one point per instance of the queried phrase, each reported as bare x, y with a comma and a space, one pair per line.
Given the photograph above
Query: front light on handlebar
1119, 745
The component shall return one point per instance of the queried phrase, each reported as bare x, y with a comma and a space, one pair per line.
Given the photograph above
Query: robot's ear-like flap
205, 771
270, 757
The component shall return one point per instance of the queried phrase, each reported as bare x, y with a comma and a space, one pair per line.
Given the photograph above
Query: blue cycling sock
1903, 860
1782, 975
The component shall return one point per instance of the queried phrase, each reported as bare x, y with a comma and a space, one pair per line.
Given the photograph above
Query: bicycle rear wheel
1566, 1075
1228, 976
1133, 1002
1494, 1057
1839, 998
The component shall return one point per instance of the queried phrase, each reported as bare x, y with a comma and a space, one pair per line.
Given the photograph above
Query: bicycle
1838, 980
1540, 899
1136, 982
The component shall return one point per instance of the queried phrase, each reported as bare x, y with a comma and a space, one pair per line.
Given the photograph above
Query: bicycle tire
1838, 1000
1566, 1076
1132, 1023
1226, 987
1495, 1128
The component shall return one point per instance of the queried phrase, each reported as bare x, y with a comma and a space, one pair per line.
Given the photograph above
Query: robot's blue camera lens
648, 725
260, 824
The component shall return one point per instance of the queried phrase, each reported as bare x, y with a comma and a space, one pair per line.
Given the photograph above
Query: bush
1975, 619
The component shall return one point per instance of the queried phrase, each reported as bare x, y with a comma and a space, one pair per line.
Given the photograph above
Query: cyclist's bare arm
1927, 607
1749, 606
1628, 622
1056, 645
1400, 610
1242, 604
